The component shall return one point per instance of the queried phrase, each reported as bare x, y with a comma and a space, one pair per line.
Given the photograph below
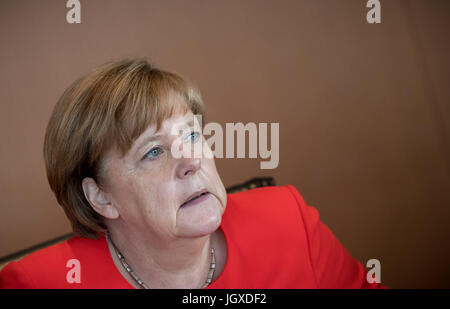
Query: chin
199, 230
200, 219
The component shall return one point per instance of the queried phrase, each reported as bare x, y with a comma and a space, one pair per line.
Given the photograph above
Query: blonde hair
112, 105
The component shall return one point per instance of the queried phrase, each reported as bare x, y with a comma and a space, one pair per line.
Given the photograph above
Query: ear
98, 199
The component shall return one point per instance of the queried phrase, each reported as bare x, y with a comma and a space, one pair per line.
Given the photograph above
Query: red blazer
274, 240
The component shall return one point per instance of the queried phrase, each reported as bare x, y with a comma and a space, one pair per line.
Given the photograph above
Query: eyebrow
147, 140
154, 137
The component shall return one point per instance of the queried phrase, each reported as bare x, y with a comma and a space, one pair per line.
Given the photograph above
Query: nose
188, 167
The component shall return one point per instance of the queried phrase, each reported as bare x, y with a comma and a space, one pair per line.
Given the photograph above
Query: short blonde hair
112, 105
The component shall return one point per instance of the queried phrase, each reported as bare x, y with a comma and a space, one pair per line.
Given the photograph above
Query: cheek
148, 203
210, 170
216, 181
129, 191
156, 195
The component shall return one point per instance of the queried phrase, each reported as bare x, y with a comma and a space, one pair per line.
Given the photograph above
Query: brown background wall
363, 109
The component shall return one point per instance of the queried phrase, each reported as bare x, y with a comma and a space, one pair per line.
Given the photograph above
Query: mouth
196, 198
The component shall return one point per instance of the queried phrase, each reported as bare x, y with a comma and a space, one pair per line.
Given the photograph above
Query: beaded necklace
139, 281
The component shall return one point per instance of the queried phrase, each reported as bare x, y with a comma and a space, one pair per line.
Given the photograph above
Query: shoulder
267, 239
264, 195
33, 271
266, 201
277, 210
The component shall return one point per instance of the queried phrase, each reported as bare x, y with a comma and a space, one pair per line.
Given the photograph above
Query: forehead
175, 113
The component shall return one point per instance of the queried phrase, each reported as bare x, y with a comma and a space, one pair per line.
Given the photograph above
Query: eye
193, 137
153, 153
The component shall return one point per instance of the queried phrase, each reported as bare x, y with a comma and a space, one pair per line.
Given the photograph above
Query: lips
195, 196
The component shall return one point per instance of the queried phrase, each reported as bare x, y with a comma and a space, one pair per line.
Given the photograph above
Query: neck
174, 263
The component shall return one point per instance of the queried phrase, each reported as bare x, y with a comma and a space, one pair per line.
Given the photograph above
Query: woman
145, 218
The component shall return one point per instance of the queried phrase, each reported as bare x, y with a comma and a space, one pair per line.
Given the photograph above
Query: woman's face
149, 185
